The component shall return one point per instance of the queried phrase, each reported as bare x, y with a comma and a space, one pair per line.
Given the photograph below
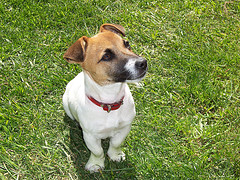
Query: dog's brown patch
88, 52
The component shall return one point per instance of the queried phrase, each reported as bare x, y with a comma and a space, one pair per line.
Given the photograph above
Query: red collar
107, 107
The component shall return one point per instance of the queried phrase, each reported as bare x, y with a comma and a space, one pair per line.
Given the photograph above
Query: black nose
141, 64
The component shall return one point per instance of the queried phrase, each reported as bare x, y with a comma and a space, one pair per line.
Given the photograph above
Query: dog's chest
109, 126
105, 124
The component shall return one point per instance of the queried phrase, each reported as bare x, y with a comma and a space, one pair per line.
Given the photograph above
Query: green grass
188, 111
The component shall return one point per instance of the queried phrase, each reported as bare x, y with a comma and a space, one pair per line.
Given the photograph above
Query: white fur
96, 123
130, 67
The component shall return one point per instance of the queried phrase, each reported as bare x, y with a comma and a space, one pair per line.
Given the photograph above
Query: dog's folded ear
76, 52
118, 29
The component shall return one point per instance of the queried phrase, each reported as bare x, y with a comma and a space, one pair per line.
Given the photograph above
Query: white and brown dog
99, 97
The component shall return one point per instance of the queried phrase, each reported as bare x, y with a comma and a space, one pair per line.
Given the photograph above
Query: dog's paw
94, 164
116, 156
94, 167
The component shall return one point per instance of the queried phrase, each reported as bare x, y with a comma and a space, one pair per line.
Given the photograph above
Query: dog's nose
141, 64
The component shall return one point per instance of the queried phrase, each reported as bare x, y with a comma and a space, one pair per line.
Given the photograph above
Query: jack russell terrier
99, 97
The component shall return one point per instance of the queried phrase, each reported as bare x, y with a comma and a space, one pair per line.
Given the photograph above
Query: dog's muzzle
137, 68
131, 70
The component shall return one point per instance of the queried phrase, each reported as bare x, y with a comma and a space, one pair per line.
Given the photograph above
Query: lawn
188, 106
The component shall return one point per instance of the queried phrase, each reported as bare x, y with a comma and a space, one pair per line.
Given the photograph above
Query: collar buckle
107, 107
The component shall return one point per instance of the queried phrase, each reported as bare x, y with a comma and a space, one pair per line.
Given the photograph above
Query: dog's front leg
115, 152
96, 160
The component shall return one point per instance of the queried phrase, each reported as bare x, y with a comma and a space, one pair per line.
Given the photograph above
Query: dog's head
106, 57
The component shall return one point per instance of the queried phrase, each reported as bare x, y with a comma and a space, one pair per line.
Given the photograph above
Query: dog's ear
76, 52
118, 29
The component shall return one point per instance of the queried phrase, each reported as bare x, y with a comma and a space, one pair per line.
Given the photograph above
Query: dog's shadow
80, 155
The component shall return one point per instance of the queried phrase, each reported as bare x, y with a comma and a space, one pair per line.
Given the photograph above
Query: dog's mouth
137, 69
138, 77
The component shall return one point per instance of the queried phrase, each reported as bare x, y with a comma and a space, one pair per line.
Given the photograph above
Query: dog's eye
106, 57
127, 45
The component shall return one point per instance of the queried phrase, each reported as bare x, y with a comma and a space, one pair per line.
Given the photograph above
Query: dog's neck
107, 94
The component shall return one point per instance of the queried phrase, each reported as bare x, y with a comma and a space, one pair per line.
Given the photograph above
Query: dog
99, 97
